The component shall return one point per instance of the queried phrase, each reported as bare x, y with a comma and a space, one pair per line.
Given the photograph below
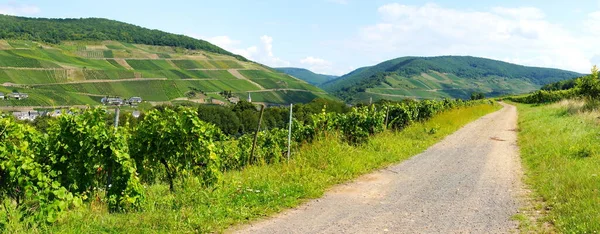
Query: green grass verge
561, 157
260, 191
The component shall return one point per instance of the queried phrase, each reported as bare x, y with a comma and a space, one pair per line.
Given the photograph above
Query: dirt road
467, 183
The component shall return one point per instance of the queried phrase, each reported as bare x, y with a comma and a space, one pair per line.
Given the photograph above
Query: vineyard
11, 59
149, 65
32, 76
91, 67
83, 159
586, 87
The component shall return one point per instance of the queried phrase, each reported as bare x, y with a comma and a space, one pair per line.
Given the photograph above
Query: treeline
472, 67
242, 118
348, 93
561, 85
83, 158
587, 87
96, 29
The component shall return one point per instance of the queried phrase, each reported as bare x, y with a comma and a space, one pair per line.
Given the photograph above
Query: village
108, 101
32, 115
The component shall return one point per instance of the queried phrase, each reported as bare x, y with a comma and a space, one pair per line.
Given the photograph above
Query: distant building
27, 115
55, 113
1, 96
134, 100
233, 100
216, 101
18, 96
115, 101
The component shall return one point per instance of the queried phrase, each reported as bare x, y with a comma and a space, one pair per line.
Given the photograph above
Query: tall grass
260, 191
561, 156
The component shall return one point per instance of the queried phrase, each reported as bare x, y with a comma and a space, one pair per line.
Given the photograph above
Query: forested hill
440, 77
306, 75
96, 29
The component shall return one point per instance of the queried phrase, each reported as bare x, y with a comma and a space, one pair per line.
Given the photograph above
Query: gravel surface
467, 183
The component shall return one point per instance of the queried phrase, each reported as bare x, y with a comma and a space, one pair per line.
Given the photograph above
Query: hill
306, 75
77, 72
96, 29
441, 77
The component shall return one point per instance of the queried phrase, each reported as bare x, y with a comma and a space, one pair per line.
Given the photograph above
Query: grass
259, 191
561, 157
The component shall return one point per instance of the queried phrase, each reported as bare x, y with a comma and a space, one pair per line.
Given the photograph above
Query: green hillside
441, 77
306, 75
96, 29
80, 68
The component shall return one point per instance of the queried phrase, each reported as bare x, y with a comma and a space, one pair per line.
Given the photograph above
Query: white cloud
343, 2
231, 45
520, 13
592, 22
13, 8
268, 57
268, 44
521, 35
262, 54
317, 65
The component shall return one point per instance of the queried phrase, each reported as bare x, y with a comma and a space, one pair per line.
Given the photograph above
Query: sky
338, 36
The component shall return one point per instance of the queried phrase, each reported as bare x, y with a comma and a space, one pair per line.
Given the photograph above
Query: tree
477, 96
221, 116
589, 86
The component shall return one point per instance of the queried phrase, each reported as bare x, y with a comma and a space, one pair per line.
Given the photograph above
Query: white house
26, 115
134, 100
18, 96
112, 101
56, 113
1, 96
234, 100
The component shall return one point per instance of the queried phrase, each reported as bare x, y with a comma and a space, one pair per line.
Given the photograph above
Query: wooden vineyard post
387, 115
290, 133
117, 112
262, 110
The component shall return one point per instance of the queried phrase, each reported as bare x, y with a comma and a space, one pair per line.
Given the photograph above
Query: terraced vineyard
79, 73
438, 85
441, 77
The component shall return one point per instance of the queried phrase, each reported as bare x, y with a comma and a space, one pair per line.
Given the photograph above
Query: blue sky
337, 36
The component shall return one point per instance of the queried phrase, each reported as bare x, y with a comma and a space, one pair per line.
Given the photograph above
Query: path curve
467, 183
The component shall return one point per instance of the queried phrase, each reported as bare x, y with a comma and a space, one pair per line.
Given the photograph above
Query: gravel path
467, 183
